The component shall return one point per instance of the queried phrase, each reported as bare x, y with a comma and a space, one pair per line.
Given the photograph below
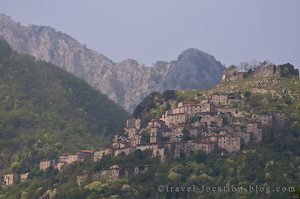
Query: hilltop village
210, 124
206, 125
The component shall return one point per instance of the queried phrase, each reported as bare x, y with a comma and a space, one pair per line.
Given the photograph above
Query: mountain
127, 82
45, 110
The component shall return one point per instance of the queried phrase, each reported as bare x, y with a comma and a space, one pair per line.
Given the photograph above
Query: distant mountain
127, 82
45, 111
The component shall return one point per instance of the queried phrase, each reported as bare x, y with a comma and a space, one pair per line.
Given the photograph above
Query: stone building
194, 132
212, 121
155, 135
256, 129
112, 173
98, 155
231, 74
133, 123
127, 150
230, 143
23, 177
157, 150
73, 158
10, 179
232, 111
246, 136
156, 130
192, 108
271, 70
219, 99
66, 159
132, 129
171, 119
266, 120
205, 145
45, 164
263, 70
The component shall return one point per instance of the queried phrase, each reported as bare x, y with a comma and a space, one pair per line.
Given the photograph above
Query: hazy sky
231, 30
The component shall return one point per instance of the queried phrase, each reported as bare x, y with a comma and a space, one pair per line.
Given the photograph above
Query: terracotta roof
86, 151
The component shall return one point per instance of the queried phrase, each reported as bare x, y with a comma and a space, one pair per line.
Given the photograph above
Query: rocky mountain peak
126, 82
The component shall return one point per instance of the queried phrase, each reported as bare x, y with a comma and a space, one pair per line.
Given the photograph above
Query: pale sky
152, 30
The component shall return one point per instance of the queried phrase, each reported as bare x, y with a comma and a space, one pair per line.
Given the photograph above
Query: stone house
150, 146
192, 108
178, 130
256, 129
219, 99
112, 173
230, 143
156, 131
133, 123
157, 123
271, 70
127, 150
179, 149
232, 111
23, 177
231, 74
136, 140
66, 159
160, 153
212, 121
174, 119
177, 134
263, 70
266, 120
157, 150
205, 145
73, 158
132, 129
10, 179
131, 132
166, 134
194, 132
252, 126
98, 155
154, 135
175, 139
115, 142
207, 108
245, 136
45, 164
62, 160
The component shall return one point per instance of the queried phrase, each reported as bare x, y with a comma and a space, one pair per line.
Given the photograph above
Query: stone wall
266, 70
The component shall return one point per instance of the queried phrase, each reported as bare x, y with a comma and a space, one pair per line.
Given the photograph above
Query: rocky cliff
127, 82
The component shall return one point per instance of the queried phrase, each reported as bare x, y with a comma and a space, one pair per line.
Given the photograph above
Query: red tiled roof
86, 151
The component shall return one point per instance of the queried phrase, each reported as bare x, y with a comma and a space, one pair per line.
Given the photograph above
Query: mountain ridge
126, 82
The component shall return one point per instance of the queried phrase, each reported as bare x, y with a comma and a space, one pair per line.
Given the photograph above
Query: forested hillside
45, 111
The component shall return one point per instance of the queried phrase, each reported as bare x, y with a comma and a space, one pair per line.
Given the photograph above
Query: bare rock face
127, 82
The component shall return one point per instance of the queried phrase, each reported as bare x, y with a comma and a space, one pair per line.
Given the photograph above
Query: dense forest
45, 111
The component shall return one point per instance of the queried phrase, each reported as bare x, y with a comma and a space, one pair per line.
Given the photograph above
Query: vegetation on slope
45, 111
270, 164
